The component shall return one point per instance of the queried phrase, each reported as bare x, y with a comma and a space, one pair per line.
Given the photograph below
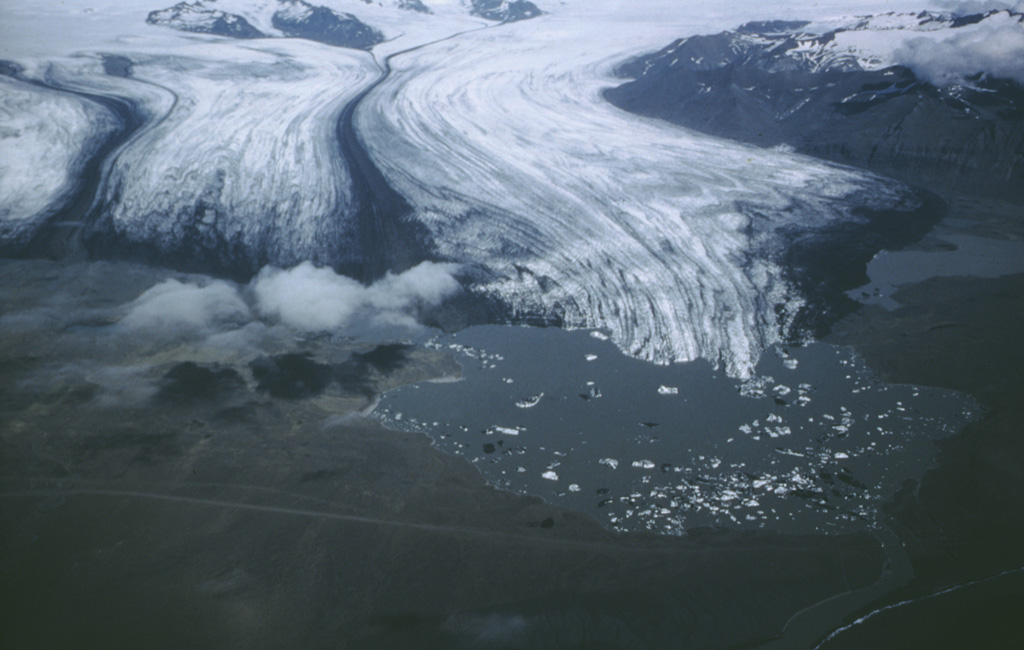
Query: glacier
46, 138
555, 205
567, 208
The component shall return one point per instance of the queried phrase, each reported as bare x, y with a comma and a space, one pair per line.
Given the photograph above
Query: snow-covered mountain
290, 18
933, 99
300, 19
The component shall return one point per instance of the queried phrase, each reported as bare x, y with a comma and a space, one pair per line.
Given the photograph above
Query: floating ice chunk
508, 431
610, 462
601, 336
574, 487
643, 464
790, 363
529, 402
790, 452
839, 455
550, 475
668, 390
590, 357
755, 387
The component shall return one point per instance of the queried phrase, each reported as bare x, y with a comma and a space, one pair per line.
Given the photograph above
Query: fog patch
119, 386
313, 299
174, 306
992, 51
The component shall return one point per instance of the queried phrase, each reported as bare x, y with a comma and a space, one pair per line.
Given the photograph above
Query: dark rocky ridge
751, 86
411, 5
196, 18
300, 19
504, 10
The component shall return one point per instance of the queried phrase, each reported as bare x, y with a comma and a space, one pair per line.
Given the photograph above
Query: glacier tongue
570, 209
243, 168
46, 137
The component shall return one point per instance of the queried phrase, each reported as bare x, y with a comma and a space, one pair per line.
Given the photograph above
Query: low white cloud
306, 297
996, 51
318, 299
971, 7
179, 307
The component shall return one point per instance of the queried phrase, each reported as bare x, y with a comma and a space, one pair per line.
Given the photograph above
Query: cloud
996, 51
971, 7
318, 299
179, 307
306, 297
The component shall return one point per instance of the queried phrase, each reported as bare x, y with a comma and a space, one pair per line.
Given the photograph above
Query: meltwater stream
814, 442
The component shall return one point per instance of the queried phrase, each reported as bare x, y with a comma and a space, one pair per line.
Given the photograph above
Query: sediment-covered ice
571, 209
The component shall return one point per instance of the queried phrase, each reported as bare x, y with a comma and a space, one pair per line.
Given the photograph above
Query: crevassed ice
568, 207
45, 139
238, 151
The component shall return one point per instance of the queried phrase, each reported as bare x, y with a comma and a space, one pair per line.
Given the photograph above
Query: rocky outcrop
292, 18
506, 11
198, 18
300, 19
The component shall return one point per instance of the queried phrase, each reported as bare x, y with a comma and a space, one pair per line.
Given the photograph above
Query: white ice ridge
45, 138
568, 207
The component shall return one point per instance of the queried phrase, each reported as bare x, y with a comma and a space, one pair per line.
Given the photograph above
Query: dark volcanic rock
505, 10
197, 18
756, 86
302, 20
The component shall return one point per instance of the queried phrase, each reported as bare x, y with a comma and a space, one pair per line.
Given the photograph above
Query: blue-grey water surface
813, 442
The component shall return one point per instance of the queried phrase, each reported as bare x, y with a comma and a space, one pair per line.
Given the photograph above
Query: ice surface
45, 139
571, 209
247, 155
